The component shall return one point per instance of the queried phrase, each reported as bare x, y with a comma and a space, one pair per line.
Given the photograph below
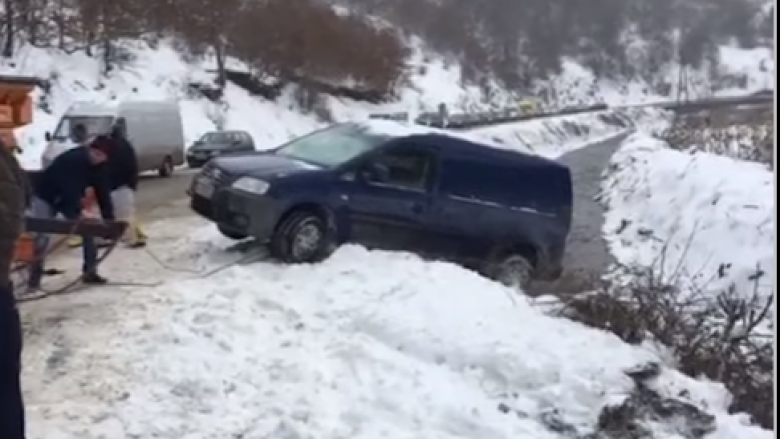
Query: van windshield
219, 137
96, 125
332, 146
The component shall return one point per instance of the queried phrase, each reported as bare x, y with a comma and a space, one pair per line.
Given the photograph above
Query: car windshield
332, 146
96, 125
219, 138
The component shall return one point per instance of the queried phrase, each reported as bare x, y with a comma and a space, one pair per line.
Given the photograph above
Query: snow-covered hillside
162, 73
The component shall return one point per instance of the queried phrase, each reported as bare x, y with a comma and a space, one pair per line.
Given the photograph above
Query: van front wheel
166, 168
301, 237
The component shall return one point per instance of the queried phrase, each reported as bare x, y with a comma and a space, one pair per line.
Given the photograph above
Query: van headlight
251, 185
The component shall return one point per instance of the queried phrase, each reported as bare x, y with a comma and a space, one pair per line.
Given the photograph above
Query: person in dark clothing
123, 170
12, 205
60, 189
122, 160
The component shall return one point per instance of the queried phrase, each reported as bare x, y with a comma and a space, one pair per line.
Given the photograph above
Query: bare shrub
723, 337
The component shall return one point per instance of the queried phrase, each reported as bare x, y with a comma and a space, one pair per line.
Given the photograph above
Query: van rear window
503, 185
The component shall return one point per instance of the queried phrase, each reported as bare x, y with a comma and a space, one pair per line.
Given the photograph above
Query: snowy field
343, 349
704, 218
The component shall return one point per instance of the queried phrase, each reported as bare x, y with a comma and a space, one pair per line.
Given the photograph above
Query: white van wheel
166, 169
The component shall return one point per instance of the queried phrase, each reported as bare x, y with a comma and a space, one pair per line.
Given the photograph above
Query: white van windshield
95, 125
332, 146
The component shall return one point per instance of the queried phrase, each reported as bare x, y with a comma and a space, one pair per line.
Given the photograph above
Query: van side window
407, 169
480, 181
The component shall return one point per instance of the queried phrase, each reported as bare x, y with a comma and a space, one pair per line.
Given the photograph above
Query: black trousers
11, 401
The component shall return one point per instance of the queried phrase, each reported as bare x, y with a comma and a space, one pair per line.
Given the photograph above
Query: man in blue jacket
60, 189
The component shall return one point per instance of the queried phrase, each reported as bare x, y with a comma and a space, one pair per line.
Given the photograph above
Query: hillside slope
163, 73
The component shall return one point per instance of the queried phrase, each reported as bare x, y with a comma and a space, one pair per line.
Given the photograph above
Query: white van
154, 128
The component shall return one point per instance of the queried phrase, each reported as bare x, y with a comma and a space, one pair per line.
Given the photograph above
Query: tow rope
20, 269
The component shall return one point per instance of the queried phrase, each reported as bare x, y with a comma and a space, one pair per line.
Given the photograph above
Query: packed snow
346, 348
705, 219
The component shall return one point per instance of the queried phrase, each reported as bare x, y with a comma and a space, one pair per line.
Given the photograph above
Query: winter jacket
122, 164
65, 181
12, 206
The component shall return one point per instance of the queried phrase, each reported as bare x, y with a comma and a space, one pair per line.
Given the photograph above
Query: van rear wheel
166, 168
513, 270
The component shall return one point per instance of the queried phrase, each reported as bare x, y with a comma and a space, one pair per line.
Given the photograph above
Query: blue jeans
42, 209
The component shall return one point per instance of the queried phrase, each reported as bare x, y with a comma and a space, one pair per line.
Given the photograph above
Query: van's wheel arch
166, 167
303, 235
230, 233
513, 266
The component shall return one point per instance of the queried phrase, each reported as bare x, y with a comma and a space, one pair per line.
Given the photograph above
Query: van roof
91, 109
465, 142
86, 108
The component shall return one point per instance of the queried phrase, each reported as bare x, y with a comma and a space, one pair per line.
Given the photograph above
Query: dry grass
740, 134
725, 337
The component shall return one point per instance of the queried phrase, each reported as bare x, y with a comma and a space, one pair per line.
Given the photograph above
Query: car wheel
166, 168
301, 237
514, 271
231, 234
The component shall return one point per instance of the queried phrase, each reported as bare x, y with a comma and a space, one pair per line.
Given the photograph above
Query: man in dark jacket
12, 204
123, 173
60, 189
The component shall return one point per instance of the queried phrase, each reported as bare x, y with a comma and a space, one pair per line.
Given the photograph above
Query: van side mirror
47, 136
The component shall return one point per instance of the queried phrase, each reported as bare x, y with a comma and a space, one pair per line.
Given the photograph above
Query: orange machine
16, 110
16, 106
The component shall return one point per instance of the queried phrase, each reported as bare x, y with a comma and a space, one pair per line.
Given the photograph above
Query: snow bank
553, 137
693, 214
364, 345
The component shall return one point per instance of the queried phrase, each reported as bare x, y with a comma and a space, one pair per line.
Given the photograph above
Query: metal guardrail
484, 119
716, 103
476, 120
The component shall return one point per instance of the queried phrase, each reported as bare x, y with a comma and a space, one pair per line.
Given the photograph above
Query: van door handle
417, 208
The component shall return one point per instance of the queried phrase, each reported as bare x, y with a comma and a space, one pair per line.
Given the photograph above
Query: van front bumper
241, 212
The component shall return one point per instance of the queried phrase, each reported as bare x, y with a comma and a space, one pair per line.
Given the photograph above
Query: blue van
392, 186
